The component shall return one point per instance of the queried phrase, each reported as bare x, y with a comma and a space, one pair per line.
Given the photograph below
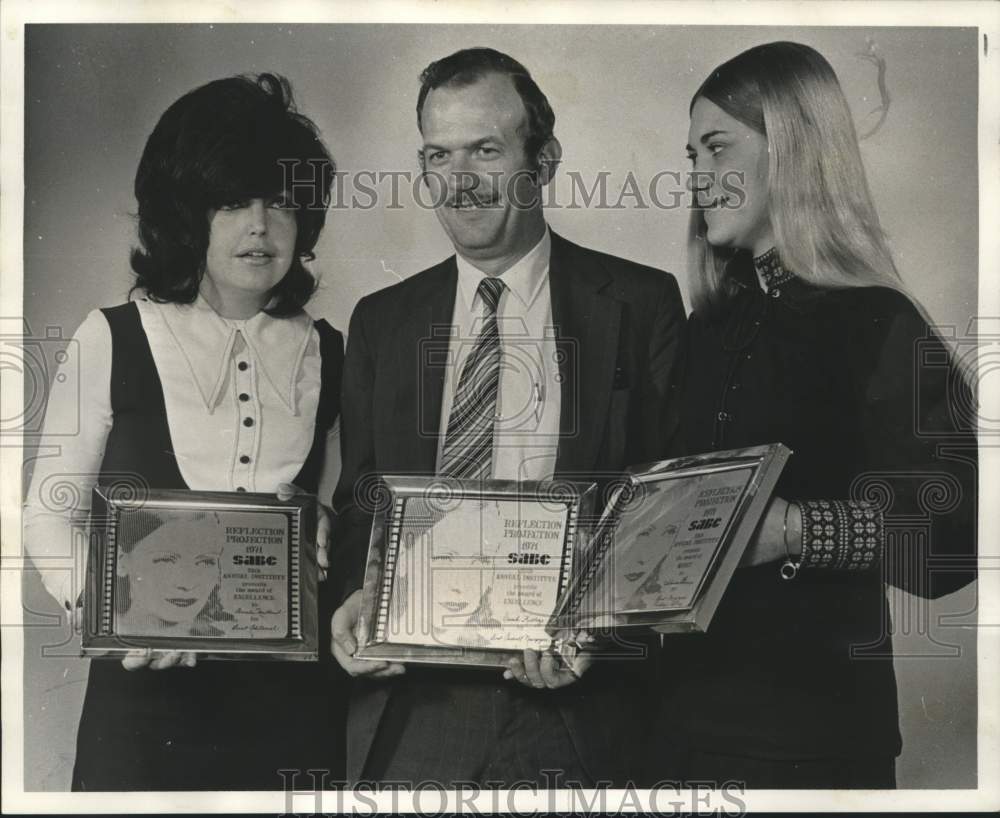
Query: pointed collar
524, 279
277, 347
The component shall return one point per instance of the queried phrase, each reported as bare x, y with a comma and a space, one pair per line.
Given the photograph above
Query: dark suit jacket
619, 327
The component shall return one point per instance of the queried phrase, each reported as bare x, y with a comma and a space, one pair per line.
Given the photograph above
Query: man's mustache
466, 189
464, 198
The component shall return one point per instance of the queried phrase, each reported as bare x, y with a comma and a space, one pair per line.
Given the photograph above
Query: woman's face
251, 245
457, 593
729, 179
170, 580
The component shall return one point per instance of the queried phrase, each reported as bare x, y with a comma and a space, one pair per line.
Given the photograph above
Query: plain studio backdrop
94, 92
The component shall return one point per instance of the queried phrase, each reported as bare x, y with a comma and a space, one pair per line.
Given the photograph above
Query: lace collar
771, 271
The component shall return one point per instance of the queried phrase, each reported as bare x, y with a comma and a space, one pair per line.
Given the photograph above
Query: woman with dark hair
168, 576
803, 333
216, 379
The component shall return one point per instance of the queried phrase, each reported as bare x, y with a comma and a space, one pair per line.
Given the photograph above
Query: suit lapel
587, 322
422, 350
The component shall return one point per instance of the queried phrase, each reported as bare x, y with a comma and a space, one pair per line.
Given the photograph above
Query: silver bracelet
790, 567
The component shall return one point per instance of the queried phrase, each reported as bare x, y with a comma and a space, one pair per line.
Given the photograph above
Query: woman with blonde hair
803, 333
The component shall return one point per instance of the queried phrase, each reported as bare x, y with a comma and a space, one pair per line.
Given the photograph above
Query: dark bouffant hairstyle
228, 141
472, 64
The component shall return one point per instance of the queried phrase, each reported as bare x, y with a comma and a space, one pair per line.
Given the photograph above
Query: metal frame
578, 610
385, 548
302, 640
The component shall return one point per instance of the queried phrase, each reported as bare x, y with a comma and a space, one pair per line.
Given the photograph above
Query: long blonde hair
826, 228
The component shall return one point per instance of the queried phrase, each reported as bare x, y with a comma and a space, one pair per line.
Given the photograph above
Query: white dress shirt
208, 396
526, 431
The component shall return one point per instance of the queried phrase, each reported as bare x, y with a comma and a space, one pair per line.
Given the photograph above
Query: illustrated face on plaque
483, 574
659, 557
464, 606
209, 574
168, 578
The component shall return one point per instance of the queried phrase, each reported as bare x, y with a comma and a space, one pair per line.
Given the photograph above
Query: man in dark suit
602, 336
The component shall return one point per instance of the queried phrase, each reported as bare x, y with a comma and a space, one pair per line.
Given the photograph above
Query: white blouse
240, 396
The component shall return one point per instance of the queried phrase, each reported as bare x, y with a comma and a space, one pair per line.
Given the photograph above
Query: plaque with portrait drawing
468, 573
669, 540
224, 575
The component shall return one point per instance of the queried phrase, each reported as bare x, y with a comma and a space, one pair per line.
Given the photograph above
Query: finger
77, 617
364, 667
344, 657
552, 674
355, 667
515, 671
136, 659
322, 556
343, 645
286, 491
580, 664
342, 637
323, 528
531, 668
167, 660
189, 659
342, 625
518, 672
393, 669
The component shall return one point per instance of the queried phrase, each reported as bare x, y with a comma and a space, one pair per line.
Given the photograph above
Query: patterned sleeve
841, 535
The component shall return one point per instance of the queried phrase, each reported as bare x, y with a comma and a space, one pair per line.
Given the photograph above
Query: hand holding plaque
221, 575
669, 541
467, 573
324, 526
476, 573
552, 669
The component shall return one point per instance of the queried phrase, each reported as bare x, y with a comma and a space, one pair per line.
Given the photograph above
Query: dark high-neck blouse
866, 396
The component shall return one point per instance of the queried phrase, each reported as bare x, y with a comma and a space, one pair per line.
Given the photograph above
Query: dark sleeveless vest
220, 725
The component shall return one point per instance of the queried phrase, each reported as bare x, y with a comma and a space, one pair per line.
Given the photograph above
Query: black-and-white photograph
304, 252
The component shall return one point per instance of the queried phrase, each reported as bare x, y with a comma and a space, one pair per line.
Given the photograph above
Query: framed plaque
468, 572
669, 540
225, 575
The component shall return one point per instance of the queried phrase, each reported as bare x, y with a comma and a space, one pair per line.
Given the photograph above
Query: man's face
482, 183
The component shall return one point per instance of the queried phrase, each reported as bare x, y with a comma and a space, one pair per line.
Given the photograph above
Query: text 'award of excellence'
669, 541
223, 574
468, 572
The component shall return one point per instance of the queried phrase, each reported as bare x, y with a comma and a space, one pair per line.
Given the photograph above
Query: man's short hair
472, 64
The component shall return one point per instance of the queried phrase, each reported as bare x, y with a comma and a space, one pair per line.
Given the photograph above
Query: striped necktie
468, 443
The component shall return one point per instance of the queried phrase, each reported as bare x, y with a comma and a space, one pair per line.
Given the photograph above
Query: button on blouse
225, 381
